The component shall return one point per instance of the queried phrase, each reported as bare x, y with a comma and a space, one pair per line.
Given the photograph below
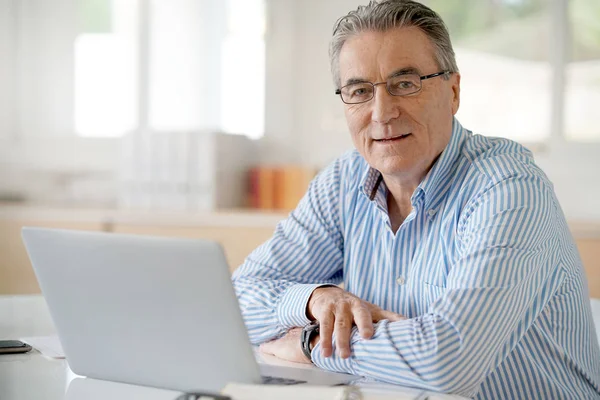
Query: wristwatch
308, 333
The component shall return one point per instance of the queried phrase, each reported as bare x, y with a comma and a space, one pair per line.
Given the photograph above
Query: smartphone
13, 346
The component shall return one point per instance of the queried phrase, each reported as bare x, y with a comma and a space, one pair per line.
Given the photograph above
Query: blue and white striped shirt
484, 268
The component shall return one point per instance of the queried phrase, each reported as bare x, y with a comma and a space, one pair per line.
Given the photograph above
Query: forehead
374, 55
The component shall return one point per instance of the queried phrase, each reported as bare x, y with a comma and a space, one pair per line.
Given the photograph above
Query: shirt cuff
334, 362
291, 309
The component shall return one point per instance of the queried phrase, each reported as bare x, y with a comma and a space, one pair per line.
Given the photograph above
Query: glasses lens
357, 93
404, 84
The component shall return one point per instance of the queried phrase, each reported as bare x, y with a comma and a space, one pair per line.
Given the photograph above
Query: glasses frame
421, 78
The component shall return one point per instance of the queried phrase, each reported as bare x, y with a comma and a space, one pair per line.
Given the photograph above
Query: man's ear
455, 80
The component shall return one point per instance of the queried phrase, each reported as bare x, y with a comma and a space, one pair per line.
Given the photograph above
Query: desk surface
33, 376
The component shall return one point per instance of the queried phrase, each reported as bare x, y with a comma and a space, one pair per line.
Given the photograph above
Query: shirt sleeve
509, 237
306, 251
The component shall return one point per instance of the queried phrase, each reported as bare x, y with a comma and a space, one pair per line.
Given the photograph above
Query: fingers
343, 328
337, 311
363, 320
326, 322
339, 320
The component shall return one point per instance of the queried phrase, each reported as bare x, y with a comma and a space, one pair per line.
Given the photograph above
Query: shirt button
400, 280
431, 213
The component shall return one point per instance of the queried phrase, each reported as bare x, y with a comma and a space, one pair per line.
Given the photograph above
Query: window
582, 92
185, 64
106, 68
243, 89
506, 74
181, 88
512, 64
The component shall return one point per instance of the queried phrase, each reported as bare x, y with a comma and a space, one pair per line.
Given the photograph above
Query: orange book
266, 188
253, 188
292, 183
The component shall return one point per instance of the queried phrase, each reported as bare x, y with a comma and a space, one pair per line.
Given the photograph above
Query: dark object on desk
13, 346
200, 395
267, 380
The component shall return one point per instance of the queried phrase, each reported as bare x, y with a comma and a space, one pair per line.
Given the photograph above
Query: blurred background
208, 118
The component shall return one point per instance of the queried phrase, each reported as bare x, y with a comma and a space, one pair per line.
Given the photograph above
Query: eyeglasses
397, 85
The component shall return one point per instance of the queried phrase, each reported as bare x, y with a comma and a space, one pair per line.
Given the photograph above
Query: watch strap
308, 333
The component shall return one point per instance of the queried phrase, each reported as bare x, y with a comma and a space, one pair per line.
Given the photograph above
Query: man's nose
384, 105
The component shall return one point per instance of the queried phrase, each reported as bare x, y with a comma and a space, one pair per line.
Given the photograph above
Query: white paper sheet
49, 346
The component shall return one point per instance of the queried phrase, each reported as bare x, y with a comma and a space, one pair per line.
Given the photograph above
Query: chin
392, 167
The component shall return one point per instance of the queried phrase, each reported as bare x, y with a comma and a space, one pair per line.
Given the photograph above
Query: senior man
459, 270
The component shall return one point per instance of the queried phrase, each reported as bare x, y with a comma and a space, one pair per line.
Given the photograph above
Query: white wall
575, 172
44, 87
279, 143
321, 126
304, 119
39, 154
7, 68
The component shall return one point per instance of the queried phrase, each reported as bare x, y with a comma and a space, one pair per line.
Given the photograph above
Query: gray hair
384, 15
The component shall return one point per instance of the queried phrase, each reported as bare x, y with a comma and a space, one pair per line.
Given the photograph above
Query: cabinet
589, 249
239, 233
237, 242
16, 274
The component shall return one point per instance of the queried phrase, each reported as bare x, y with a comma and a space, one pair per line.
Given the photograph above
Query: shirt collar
432, 185
373, 187
371, 183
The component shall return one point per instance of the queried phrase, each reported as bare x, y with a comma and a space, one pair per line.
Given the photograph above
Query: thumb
389, 315
392, 316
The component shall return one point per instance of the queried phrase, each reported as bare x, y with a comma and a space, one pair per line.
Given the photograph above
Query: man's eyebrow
401, 71
404, 71
355, 80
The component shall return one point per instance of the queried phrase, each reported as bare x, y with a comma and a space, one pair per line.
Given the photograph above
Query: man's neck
398, 200
400, 191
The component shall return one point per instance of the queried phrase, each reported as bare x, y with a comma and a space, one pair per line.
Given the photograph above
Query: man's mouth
393, 139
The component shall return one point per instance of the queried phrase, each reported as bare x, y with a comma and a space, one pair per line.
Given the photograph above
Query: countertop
219, 218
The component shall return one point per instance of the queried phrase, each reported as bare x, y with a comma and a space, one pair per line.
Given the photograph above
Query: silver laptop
151, 311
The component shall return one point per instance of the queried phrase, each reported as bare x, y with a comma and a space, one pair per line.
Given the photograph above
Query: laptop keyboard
272, 380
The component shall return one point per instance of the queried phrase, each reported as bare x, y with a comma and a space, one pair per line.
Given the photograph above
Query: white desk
33, 376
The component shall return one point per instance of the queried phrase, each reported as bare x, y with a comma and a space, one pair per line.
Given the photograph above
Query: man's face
425, 117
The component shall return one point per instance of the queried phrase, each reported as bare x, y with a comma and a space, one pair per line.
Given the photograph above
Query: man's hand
337, 310
287, 347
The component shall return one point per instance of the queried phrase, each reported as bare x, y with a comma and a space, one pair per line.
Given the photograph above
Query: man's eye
360, 92
405, 85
